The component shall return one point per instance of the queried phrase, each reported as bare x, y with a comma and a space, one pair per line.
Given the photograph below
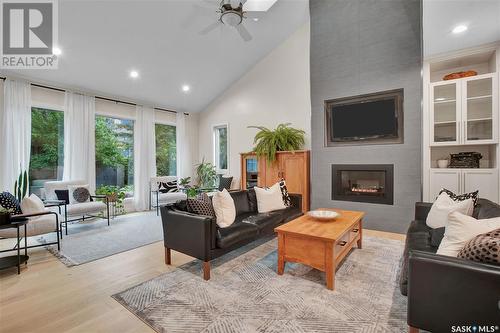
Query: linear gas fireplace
372, 183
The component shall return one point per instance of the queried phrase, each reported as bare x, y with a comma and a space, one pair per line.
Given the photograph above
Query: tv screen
365, 118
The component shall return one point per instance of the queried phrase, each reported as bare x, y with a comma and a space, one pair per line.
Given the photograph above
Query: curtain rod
102, 98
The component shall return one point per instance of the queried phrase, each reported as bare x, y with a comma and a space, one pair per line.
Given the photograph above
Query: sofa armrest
422, 209
296, 200
446, 291
186, 232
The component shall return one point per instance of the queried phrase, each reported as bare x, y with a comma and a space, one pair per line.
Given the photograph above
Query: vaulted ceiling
102, 41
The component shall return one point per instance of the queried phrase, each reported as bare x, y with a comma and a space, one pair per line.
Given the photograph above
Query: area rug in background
94, 239
246, 295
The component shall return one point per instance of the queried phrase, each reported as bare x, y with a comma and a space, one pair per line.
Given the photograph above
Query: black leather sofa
445, 291
200, 237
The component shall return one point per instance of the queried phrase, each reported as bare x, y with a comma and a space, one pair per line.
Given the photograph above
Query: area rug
246, 295
94, 239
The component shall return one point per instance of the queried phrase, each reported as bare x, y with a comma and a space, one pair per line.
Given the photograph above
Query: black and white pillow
483, 248
202, 205
284, 193
168, 187
8, 201
462, 197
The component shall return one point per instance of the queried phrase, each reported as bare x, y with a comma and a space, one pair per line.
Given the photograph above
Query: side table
17, 260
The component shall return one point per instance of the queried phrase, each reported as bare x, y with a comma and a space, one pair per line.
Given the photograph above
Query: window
220, 148
114, 153
47, 147
166, 150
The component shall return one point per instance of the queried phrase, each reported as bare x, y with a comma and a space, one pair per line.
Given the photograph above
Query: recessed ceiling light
134, 74
256, 19
56, 51
459, 28
186, 88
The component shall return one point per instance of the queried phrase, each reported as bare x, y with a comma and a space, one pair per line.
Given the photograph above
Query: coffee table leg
360, 234
330, 266
281, 254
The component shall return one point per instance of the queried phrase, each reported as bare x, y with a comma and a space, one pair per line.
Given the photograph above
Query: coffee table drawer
354, 233
342, 243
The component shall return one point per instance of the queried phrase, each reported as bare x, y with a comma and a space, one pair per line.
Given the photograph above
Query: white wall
276, 90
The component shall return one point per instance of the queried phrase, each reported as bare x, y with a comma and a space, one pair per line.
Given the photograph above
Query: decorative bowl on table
323, 215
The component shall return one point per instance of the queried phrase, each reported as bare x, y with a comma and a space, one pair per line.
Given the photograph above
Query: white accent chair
157, 198
38, 224
77, 211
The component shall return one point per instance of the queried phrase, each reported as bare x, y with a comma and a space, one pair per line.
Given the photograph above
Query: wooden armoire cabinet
294, 167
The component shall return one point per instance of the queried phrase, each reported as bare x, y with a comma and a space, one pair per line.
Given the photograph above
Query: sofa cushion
86, 208
168, 198
486, 209
252, 200
437, 236
235, 233
266, 221
36, 226
241, 202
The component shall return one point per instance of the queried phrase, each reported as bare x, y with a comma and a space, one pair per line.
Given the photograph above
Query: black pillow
225, 182
63, 195
437, 236
168, 187
8, 201
461, 197
201, 205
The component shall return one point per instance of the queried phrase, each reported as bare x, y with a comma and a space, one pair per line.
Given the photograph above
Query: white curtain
79, 138
144, 155
15, 132
184, 161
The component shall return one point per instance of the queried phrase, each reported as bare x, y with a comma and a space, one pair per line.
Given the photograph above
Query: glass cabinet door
479, 110
445, 114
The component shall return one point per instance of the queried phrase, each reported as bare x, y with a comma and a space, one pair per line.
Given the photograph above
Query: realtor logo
29, 32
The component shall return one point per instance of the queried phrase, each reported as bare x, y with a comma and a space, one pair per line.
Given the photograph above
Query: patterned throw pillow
284, 192
168, 187
461, 197
8, 201
225, 182
78, 193
483, 248
202, 205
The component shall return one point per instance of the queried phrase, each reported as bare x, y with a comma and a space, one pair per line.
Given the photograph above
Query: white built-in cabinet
464, 111
464, 181
462, 115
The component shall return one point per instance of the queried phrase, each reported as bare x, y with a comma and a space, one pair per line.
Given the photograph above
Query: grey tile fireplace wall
360, 47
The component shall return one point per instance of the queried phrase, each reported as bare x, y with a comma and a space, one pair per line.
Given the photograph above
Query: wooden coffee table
319, 244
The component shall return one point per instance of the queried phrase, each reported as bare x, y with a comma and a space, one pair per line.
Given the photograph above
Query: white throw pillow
32, 205
443, 206
78, 193
461, 229
224, 208
269, 199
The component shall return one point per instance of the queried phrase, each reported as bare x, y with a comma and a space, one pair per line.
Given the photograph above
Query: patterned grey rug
94, 239
246, 295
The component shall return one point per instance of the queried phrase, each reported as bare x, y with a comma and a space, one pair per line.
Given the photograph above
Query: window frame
215, 147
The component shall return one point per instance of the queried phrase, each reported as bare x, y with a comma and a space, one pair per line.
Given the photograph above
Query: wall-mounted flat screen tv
365, 119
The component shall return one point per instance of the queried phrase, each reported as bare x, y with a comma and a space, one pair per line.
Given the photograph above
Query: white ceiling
102, 41
440, 16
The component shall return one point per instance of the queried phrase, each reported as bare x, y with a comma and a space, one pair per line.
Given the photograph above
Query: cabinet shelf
479, 120
444, 101
451, 122
479, 97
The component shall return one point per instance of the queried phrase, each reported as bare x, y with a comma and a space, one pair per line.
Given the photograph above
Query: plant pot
442, 164
4, 219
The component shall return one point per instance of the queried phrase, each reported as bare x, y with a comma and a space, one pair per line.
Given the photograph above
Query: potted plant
206, 173
283, 138
5, 216
113, 194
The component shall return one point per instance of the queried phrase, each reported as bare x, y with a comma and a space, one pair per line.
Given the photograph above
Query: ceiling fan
231, 14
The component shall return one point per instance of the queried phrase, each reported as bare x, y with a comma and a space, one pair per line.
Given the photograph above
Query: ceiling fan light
231, 18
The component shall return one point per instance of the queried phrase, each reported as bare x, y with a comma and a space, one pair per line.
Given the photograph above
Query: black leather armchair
199, 236
445, 291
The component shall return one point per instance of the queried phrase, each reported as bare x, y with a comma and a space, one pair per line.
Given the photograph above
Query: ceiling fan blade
211, 27
196, 11
243, 32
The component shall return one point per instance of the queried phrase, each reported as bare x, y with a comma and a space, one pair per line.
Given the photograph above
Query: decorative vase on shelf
442, 164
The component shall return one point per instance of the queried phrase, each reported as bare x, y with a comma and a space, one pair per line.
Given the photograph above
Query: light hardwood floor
49, 297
